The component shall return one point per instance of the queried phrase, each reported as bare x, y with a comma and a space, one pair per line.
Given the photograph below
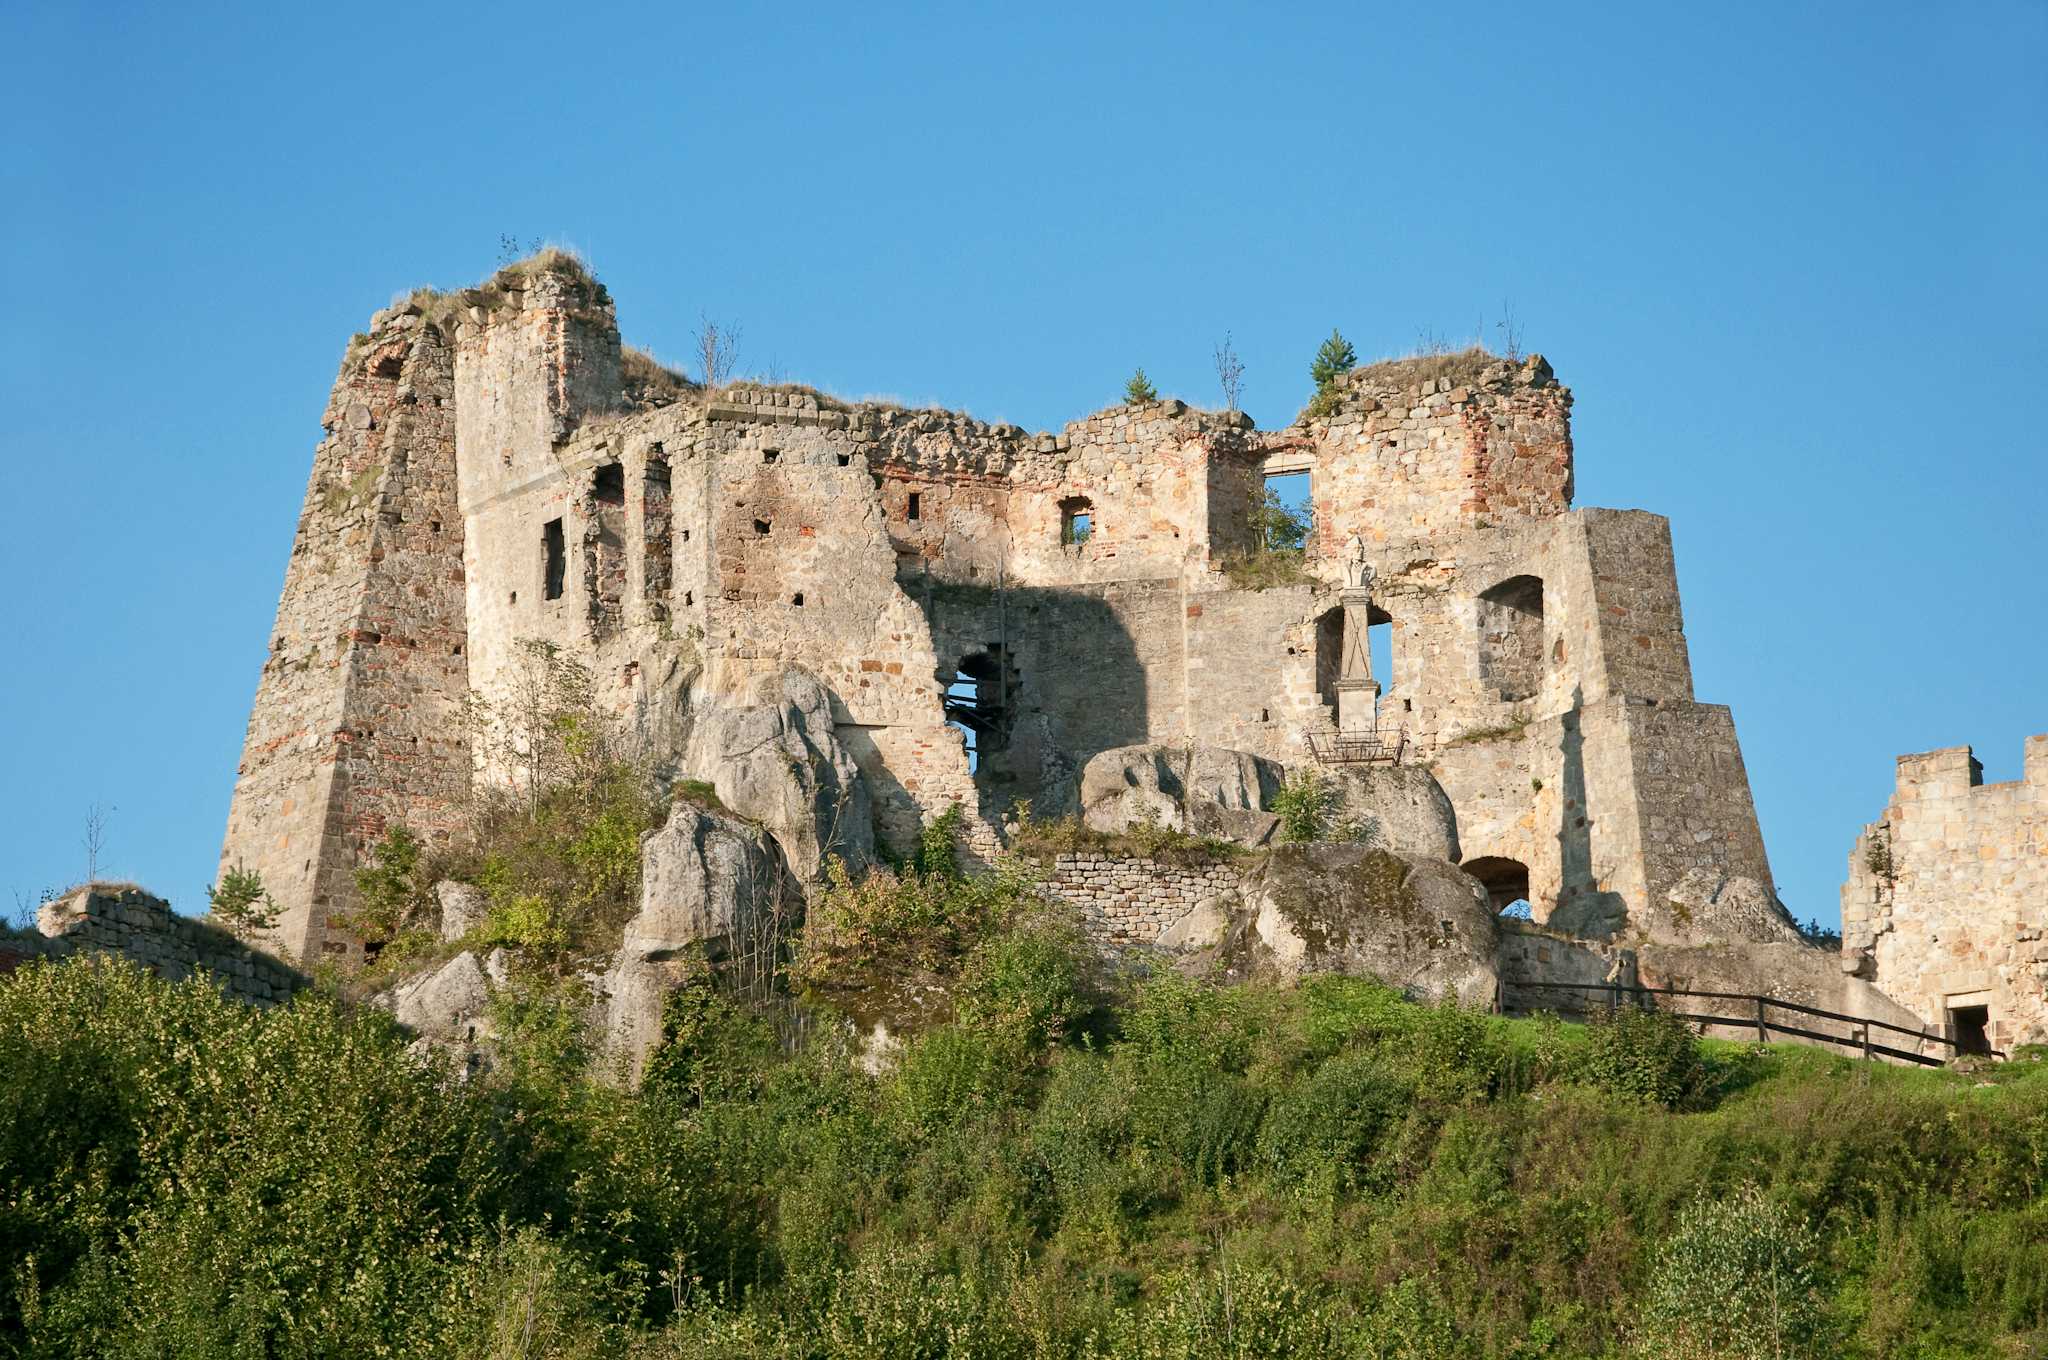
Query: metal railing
1357, 748
1756, 1016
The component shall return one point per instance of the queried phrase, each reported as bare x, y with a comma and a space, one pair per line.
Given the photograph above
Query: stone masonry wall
709, 538
1126, 902
355, 722
103, 918
1946, 902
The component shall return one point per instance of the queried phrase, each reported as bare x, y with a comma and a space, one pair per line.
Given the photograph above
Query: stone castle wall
356, 721
682, 544
102, 918
1946, 902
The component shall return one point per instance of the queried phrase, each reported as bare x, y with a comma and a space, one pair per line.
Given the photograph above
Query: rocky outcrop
711, 886
1417, 924
463, 908
446, 1006
1400, 808
1705, 907
774, 759
1214, 791
1201, 790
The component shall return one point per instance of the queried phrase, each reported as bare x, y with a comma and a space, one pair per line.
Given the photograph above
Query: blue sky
1788, 256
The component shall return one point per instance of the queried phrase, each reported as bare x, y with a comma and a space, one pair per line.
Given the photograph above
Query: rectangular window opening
554, 562
916, 504
1285, 514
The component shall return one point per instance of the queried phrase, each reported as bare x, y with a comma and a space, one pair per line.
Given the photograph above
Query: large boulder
447, 1006
1201, 790
774, 759
1215, 791
1418, 924
1401, 808
712, 888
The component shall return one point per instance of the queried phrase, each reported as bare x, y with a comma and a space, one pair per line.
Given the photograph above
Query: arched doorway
1506, 882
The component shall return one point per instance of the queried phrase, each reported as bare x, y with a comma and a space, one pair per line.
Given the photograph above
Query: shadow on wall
1582, 908
1041, 679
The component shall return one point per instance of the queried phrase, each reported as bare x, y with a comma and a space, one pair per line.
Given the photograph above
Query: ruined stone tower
988, 607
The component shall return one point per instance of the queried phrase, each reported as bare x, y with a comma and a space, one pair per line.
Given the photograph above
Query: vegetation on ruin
1479, 736
240, 902
1139, 390
1281, 532
1044, 838
1180, 1169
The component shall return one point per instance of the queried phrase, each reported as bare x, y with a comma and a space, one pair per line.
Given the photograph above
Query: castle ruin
987, 608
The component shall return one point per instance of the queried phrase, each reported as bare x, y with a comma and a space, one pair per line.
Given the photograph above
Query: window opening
608, 486
915, 504
797, 599
761, 528
978, 703
553, 561
1077, 520
656, 525
845, 459
770, 455
1511, 637
1285, 513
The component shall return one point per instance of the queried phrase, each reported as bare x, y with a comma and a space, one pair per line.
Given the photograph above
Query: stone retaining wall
107, 918
1131, 901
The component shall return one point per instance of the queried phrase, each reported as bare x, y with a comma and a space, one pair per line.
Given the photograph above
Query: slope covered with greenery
1184, 1170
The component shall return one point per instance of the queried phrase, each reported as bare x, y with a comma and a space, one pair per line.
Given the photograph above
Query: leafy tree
388, 888
241, 902
1282, 528
1139, 390
1739, 1279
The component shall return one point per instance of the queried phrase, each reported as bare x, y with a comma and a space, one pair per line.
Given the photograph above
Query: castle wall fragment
1946, 902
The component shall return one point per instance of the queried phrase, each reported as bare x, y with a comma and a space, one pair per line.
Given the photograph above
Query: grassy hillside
1187, 1171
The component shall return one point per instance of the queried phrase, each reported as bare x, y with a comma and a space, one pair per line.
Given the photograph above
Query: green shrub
1326, 1127
390, 890
1028, 982
1139, 390
1649, 1055
1304, 804
1738, 1280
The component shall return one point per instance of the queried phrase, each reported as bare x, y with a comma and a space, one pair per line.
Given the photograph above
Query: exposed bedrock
712, 887
774, 759
1418, 924
1214, 791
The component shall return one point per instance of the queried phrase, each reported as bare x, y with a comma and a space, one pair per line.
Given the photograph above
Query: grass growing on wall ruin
1182, 1170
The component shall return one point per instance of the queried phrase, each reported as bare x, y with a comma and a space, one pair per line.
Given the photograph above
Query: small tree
1333, 361
1139, 390
718, 349
1229, 374
241, 902
1282, 528
388, 889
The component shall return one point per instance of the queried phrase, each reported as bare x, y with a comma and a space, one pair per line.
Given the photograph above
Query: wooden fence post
1761, 1033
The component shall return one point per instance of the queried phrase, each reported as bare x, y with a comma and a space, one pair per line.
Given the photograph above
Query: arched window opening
1506, 882
1511, 637
978, 702
1077, 520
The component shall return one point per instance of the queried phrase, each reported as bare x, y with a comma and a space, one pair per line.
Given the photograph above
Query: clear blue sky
1790, 257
